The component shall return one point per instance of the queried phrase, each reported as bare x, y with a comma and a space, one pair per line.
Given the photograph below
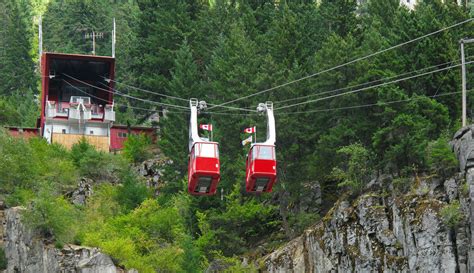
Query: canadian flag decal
250, 130
207, 127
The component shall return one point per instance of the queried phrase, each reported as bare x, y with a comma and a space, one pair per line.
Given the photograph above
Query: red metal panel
116, 142
111, 84
23, 132
259, 168
203, 167
264, 166
44, 88
207, 165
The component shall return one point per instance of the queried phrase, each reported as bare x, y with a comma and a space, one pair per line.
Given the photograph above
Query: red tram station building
77, 101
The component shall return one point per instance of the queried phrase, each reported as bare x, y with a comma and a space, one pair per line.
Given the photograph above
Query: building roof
78, 56
121, 126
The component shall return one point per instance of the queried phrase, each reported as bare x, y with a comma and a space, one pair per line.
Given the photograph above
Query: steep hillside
426, 229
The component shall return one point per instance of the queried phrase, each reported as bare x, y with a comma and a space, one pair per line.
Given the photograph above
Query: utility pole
463, 72
40, 39
94, 35
93, 43
113, 40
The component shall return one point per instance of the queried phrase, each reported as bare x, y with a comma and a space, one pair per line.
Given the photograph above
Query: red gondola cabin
261, 168
203, 169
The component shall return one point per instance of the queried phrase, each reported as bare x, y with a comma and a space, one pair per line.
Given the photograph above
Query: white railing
50, 109
80, 112
109, 113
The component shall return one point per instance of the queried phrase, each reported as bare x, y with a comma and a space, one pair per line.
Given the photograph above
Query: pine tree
185, 83
16, 66
161, 31
66, 24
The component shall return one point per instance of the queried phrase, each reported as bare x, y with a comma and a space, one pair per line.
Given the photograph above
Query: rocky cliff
386, 231
28, 253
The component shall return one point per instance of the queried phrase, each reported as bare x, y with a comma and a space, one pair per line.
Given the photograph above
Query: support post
463, 72
40, 39
113, 40
93, 43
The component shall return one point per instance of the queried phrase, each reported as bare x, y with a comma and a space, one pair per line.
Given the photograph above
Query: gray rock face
397, 233
380, 233
82, 192
153, 169
463, 146
27, 253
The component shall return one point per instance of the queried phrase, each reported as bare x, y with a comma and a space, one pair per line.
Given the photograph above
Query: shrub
402, 184
3, 259
242, 224
132, 192
136, 148
151, 238
440, 158
451, 214
15, 171
53, 216
302, 220
356, 172
94, 164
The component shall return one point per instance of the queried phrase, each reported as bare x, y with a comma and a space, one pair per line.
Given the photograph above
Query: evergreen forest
404, 108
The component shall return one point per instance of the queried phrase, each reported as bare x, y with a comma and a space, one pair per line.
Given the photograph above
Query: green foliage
3, 259
137, 148
452, 214
28, 165
404, 141
440, 157
17, 68
303, 220
241, 224
220, 51
402, 184
149, 238
94, 164
53, 216
356, 173
132, 192
8, 114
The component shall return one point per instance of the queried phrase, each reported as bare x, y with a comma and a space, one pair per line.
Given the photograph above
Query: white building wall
97, 129
61, 127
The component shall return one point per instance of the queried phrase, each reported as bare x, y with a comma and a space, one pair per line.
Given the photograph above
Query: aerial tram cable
125, 95
228, 107
260, 174
345, 64
369, 105
204, 166
366, 83
146, 91
361, 84
371, 87
173, 97
176, 111
118, 104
